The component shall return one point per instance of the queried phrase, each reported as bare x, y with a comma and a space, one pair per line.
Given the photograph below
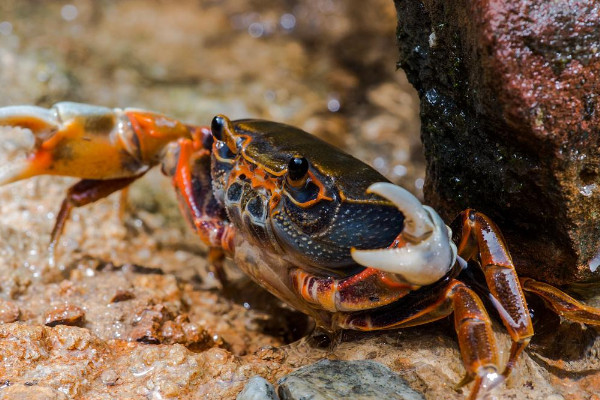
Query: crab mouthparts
429, 252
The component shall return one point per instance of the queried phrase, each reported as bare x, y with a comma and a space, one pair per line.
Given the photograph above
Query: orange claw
107, 148
89, 142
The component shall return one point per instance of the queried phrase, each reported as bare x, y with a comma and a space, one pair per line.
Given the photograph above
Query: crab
316, 227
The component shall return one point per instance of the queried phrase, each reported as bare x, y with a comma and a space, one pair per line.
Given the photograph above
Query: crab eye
217, 126
297, 169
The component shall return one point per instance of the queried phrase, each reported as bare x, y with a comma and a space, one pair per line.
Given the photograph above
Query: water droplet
69, 12
270, 95
287, 21
587, 190
432, 40
594, 262
333, 105
399, 170
5, 28
256, 29
379, 163
419, 183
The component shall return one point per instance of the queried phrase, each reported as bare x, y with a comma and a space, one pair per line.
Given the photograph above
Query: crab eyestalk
89, 142
429, 252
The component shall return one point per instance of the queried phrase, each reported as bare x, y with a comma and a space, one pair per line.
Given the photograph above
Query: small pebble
172, 332
64, 315
122, 295
335, 379
9, 312
109, 377
147, 323
270, 353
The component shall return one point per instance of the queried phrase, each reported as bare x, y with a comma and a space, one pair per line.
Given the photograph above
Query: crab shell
325, 223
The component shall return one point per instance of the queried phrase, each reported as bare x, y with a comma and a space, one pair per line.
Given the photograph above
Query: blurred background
327, 66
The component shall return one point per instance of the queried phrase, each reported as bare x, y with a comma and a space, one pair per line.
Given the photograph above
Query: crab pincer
107, 148
424, 254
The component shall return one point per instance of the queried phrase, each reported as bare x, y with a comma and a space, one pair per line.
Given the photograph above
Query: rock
122, 295
511, 116
257, 388
67, 314
31, 391
148, 322
9, 312
39, 362
155, 324
335, 379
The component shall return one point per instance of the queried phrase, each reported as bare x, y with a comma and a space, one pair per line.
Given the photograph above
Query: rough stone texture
258, 388
9, 312
510, 111
331, 380
70, 362
64, 315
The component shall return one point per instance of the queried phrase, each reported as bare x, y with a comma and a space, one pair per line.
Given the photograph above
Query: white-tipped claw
416, 221
428, 254
41, 121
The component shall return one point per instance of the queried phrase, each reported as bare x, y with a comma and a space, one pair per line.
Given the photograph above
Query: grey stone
334, 379
257, 388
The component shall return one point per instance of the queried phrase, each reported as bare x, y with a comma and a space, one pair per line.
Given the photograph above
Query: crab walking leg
473, 326
481, 240
563, 304
193, 185
82, 193
476, 340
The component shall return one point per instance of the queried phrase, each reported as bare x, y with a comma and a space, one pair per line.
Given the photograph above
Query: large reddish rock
511, 121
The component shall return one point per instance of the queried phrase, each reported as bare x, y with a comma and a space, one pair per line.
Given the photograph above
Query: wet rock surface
152, 322
336, 379
511, 122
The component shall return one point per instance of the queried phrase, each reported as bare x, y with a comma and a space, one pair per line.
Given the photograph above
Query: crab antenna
424, 259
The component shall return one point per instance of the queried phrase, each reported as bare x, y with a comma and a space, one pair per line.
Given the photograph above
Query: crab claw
89, 142
41, 122
428, 253
37, 119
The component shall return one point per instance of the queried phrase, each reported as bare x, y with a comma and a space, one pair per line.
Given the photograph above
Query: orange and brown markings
154, 132
482, 241
366, 290
193, 183
370, 288
563, 304
261, 176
